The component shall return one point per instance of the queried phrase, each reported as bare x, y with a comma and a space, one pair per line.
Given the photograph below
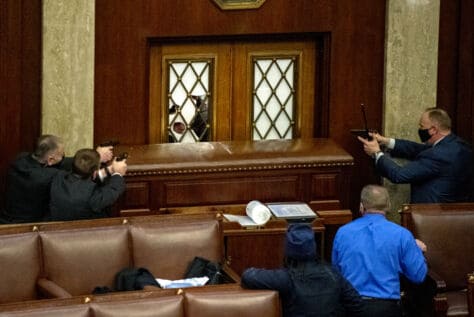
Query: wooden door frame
318, 122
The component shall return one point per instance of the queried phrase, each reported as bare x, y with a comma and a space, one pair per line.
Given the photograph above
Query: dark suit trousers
374, 307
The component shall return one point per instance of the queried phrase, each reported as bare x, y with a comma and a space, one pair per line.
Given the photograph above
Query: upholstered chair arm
470, 293
51, 290
440, 283
440, 301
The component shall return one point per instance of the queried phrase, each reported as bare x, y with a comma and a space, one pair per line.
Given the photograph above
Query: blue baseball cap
300, 243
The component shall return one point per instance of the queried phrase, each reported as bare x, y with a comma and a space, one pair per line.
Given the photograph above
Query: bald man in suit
439, 169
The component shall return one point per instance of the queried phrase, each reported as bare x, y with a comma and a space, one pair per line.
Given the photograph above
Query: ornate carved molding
235, 169
238, 4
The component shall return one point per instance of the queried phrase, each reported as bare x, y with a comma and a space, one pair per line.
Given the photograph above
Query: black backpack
200, 267
131, 279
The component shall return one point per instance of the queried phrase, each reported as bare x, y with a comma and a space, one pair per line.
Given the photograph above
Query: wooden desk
332, 220
164, 177
262, 247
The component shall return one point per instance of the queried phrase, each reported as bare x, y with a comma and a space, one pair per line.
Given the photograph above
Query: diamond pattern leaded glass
189, 91
274, 97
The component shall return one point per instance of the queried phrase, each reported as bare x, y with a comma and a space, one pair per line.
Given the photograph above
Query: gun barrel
109, 143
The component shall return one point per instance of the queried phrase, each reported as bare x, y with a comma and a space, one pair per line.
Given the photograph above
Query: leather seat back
450, 241
167, 248
80, 259
231, 303
20, 266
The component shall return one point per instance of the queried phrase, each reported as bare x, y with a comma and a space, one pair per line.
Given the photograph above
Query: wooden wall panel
456, 65
137, 195
354, 38
231, 173
325, 185
448, 55
264, 247
465, 110
356, 76
354, 44
20, 79
268, 188
123, 29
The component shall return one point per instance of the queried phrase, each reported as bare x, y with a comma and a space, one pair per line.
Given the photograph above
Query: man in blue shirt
371, 253
306, 286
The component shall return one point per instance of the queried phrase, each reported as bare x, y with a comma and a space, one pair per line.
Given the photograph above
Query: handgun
362, 133
109, 143
121, 156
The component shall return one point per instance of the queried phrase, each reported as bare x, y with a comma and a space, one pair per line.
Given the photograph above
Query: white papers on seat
187, 282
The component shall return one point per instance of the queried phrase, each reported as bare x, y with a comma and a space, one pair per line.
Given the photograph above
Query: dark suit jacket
74, 198
437, 174
27, 192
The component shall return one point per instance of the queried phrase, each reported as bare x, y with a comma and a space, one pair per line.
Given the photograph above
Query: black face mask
424, 135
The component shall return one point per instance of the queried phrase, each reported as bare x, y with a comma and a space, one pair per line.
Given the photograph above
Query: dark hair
46, 144
86, 162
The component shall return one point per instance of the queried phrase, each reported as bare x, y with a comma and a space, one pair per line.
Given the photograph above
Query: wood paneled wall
123, 29
20, 79
456, 65
356, 30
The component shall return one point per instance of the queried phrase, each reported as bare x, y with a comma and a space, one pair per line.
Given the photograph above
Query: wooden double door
230, 75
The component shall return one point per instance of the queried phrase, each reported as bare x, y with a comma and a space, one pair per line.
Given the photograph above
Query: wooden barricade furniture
177, 176
237, 239
447, 230
261, 247
67, 259
332, 221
